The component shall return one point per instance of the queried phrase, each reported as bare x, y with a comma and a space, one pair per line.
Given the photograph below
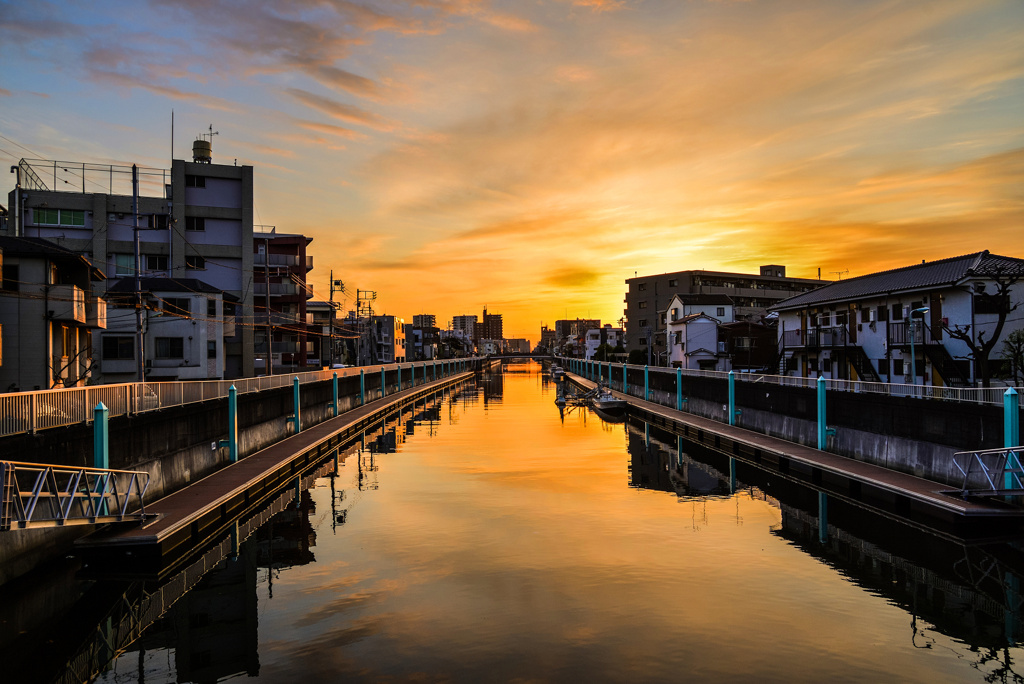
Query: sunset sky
530, 156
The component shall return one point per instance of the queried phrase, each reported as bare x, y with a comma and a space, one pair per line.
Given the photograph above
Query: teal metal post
295, 400
434, 369
822, 517
362, 387
233, 422
100, 437
334, 389
1011, 434
383, 381
732, 398
679, 389
647, 383
625, 387
822, 427
398, 370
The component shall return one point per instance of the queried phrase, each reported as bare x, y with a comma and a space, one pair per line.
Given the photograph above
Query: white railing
31, 411
973, 395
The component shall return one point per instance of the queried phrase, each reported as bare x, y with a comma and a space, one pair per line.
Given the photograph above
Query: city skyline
453, 156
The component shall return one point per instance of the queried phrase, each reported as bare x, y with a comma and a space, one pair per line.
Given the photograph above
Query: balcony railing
282, 260
67, 302
815, 338
96, 312
899, 333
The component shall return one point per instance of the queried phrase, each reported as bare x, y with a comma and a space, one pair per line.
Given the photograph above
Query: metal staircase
862, 364
943, 362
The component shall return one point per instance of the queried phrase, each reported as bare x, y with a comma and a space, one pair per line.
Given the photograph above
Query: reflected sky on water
488, 538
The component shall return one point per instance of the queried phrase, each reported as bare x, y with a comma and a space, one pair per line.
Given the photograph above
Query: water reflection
476, 536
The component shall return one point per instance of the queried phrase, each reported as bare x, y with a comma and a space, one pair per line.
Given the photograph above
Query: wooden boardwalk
206, 508
887, 490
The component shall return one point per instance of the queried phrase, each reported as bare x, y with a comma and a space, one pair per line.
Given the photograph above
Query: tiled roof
193, 285
39, 247
919, 276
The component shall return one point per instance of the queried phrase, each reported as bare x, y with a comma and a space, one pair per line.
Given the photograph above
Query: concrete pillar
822, 424
732, 398
335, 391
233, 424
100, 437
1011, 435
679, 389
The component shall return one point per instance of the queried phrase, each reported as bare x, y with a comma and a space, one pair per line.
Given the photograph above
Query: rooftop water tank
202, 151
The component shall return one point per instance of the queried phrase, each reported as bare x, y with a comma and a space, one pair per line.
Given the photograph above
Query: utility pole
269, 362
140, 368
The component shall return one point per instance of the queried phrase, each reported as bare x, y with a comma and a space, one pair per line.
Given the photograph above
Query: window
157, 221
156, 262
170, 348
118, 348
195, 181
176, 306
865, 315
883, 313
642, 323
721, 311
211, 349
59, 217
812, 364
11, 275
195, 223
196, 262
991, 304
211, 307
897, 312
124, 264
643, 305
642, 287
897, 366
65, 341
673, 283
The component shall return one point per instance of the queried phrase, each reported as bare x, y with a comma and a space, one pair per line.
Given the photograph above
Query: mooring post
398, 370
433, 369
295, 399
233, 424
362, 387
383, 381
822, 427
100, 437
625, 387
679, 389
1011, 436
647, 383
732, 398
822, 517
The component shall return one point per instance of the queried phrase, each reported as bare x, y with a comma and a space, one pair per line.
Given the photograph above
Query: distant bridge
535, 357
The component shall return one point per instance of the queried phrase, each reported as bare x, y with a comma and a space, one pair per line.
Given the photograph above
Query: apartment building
647, 299
195, 220
281, 293
915, 324
50, 307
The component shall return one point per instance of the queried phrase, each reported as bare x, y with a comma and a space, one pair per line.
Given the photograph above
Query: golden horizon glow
531, 157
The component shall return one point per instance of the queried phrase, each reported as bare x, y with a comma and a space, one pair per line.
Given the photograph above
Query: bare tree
1013, 351
997, 301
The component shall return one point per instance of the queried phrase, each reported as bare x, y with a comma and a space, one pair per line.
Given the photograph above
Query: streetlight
913, 356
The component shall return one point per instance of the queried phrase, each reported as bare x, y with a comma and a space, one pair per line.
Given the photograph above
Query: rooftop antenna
840, 274
202, 148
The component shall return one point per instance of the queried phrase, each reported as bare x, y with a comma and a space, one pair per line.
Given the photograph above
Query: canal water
485, 536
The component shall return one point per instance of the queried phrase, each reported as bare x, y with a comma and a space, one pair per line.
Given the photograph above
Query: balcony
815, 338
67, 303
899, 333
95, 312
282, 260
277, 318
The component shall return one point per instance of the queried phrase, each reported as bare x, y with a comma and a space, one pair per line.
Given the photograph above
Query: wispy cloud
340, 110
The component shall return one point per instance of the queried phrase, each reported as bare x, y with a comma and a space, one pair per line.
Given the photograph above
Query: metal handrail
974, 395
1000, 468
31, 411
40, 495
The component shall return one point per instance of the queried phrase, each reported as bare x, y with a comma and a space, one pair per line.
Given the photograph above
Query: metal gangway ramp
37, 495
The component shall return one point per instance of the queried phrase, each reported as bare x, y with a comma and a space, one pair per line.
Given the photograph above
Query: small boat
608, 404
